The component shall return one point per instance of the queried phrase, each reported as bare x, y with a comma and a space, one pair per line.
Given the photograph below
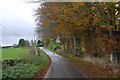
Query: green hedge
29, 67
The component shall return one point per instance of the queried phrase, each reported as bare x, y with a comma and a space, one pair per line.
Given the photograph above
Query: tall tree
21, 43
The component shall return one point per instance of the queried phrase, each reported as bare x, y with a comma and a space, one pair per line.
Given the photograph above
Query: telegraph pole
34, 39
35, 45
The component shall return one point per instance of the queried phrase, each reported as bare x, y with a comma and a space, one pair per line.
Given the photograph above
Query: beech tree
94, 24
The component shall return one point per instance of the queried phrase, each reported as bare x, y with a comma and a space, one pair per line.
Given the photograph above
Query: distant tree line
23, 43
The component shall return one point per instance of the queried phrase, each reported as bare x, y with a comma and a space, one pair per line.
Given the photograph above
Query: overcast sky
17, 17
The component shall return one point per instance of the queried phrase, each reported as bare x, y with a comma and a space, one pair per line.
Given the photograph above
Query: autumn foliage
93, 25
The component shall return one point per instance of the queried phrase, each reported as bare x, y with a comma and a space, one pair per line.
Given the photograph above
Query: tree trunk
75, 48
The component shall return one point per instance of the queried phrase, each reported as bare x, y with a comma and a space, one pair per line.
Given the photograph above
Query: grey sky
17, 16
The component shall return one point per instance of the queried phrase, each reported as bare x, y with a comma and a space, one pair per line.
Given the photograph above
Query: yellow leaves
55, 10
59, 28
108, 5
44, 22
78, 24
96, 19
78, 4
85, 19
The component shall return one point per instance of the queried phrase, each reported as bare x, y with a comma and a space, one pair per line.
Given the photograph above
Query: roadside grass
29, 66
90, 69
14, 53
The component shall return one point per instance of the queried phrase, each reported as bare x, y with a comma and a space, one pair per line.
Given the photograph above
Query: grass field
14, 53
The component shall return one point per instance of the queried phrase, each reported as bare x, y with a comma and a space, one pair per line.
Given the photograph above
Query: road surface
61, 67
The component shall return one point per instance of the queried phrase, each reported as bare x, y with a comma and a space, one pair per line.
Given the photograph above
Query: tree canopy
92, 25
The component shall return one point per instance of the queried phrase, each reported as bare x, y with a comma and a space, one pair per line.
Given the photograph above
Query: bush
10, 62
56, 47
21, 71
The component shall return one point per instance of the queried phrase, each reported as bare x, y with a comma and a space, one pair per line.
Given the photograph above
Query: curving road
61, 67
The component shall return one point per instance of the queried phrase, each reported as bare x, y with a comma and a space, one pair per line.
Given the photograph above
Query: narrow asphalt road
61, 67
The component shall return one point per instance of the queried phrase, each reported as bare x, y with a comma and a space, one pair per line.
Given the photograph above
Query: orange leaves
89, 46
85, 19
109, 45
99, 45
78, 5
55, 10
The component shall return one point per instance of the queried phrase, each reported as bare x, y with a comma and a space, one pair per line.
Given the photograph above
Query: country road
61, 67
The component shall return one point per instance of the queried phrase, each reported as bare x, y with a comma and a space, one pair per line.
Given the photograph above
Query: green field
14, 53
